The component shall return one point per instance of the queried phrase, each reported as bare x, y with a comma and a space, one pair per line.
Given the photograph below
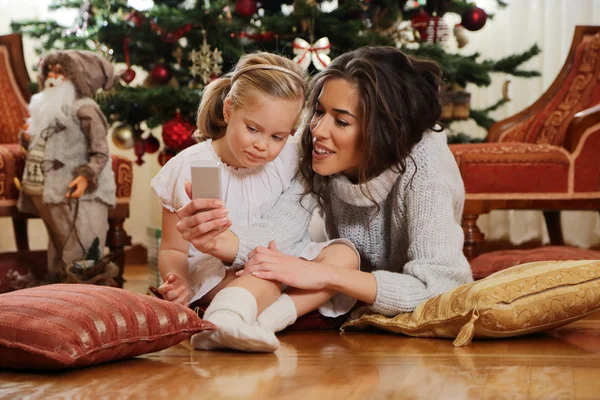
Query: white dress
248, 193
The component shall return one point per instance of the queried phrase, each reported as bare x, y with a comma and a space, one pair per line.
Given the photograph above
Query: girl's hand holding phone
202, 220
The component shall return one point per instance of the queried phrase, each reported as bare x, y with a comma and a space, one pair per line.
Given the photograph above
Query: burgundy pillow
488, 263
75, 325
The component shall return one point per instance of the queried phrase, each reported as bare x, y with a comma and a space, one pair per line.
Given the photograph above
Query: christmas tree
183, 45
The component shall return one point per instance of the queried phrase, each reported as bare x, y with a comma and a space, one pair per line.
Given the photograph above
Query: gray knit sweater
413, 246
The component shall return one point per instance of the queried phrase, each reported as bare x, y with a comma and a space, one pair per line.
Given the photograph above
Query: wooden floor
563, 364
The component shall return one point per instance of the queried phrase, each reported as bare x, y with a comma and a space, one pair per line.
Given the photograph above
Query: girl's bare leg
296, 302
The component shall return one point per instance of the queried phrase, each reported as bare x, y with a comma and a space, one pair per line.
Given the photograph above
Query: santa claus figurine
68, 179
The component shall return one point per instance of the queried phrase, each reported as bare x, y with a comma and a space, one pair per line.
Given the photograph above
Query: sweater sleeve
436, 262
94, 126
287, 224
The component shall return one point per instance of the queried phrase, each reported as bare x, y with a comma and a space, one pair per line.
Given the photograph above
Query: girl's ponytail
211, 123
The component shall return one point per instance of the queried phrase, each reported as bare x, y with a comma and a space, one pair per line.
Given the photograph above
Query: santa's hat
87, 70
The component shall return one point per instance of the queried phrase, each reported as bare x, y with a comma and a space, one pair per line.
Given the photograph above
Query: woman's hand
201, 221
271, 264
175, 289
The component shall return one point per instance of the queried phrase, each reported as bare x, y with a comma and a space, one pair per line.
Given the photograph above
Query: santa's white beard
51, 104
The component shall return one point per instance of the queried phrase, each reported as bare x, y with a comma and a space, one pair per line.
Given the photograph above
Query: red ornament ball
151, 144
160, 74
177, 133
128, 75
245, 8
474, 19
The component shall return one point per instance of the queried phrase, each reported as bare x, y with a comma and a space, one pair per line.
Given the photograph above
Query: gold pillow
524, 299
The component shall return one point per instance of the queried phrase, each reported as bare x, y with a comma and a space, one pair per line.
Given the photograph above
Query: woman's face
336, 130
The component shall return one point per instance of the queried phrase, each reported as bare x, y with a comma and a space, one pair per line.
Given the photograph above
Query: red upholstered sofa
547, 157
14, 97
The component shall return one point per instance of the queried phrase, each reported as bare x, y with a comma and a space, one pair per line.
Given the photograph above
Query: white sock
233, 311
279, 315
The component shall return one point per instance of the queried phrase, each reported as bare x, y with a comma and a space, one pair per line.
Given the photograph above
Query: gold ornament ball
123, 136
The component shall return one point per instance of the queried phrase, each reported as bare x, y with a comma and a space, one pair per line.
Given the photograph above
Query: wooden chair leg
116, 240
554, 227
20, 229
473, 235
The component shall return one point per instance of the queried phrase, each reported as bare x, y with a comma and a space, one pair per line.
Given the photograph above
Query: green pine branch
154, 105
461, 6
496, 105
174, 18
53, 35
482, 118
170, 3
510, 65
467, 69
58, 4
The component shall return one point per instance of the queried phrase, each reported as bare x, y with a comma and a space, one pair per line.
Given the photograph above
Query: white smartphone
206, 180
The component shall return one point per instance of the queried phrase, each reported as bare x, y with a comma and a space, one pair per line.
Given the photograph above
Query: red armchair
14, 97
547, 157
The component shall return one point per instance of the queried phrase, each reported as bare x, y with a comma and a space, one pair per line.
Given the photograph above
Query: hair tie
267, 67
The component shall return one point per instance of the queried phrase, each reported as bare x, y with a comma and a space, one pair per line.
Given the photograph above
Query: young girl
383, 177
244, 122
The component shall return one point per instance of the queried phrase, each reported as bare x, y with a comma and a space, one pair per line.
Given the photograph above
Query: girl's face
336, 130
257, 132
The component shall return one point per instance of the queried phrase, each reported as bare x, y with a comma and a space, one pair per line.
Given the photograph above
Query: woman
382, 176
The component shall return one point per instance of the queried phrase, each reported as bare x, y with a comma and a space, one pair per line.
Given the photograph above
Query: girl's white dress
248, 194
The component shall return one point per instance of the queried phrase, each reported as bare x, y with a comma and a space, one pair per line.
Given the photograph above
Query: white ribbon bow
315, 53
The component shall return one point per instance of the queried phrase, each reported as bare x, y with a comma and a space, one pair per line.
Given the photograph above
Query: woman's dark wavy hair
399, 99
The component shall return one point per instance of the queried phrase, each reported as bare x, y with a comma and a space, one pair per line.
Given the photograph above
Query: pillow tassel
465, 335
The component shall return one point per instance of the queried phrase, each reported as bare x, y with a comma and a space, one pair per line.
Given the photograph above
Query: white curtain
549, 23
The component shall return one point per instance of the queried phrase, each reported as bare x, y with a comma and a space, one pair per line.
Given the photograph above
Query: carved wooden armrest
581, 122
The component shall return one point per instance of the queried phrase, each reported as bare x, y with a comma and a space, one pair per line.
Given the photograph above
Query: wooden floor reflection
564, 364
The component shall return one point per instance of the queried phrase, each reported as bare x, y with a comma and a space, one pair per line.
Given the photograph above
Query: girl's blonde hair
262, 72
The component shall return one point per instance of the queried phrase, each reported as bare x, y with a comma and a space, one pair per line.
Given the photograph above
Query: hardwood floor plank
465, 383
552, 382
586, 383
507, 382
